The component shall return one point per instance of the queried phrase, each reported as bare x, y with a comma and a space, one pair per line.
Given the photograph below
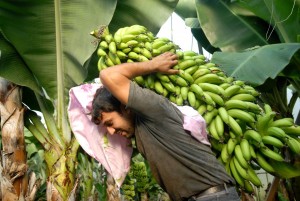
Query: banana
253, 136
101, 63
270, 140
108, 38
158, 43
200, 72
209, 64
253, 177
197, 90
216, 145
232, 90
239, 156
127, 37
234, 126
122, 46
189, 53
248, 187
213, 132
252, 151
108, 61
263, 121
208, 99
135, 30
241, 114
145, 52
252, 107
169, 86
184, 92
202, 109
143, 38
177, 80
165, 93
235, 104
158, 87
240, 169
292, 130
224, 86
263, 163
208, 116
132, 43
150, 80
219, 126
126, 50
172, 97
232, 142
140, 81
112, 47
121, 55
284, 122
270, 153
179, 54
245, 147
179, 100
148, 46
276, 132
197, 104
225, 156
209, 78
212, 88
133, 55
167, 47
114, 58
267, 108
101, 52
293, 144
136, 50
224, 115
243, 97
186, 64
215, 97
239, 82
235, 174
178, 90
186, 76
191, 70
191, 98
162, 77
103, 45
142, 58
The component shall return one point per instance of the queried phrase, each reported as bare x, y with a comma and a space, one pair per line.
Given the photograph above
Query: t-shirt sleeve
150, 105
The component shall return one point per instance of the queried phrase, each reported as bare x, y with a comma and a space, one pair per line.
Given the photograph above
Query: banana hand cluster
243, 133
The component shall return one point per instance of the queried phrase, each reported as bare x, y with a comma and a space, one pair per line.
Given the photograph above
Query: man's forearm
117, 78
127, 70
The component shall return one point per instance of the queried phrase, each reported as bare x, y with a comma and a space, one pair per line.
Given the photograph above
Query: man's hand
164, 63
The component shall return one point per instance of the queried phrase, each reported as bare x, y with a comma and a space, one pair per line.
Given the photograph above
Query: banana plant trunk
13, 169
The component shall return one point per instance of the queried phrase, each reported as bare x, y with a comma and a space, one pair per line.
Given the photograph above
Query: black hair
104, 101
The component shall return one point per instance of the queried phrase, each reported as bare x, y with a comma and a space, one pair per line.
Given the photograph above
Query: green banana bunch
242, 132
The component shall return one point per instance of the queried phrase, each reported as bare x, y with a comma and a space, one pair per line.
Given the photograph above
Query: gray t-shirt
181, 165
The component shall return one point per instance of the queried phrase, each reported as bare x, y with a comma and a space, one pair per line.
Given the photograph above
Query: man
185, 168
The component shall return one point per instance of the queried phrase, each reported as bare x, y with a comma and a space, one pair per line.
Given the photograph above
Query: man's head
109, 112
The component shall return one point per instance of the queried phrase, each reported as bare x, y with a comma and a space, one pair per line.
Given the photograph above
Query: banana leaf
228, 30
282, 16
51, 39
257, 65
151, 14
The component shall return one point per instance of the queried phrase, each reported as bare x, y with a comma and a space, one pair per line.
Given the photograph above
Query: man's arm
117, 78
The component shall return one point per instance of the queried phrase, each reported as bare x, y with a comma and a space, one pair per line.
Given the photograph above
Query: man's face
116, 123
